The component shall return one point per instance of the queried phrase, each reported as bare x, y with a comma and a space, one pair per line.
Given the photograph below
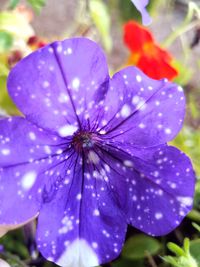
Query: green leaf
13, 260
13, 4
188, 140
186, 245
185, 74
3, 69
194, 215
5, 101
183, 257
12, 243
195, 249
127, 263
175, 249
171, 260
101, 18
193, 106
6, 41
37, 5
138, 245
196, 226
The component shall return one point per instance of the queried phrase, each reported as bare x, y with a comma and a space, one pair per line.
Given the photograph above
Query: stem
185, 26
87, 4
150, 259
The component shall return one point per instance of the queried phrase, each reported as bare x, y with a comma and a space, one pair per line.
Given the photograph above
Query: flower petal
141, 110
60, 85
159, 66
20, 200
164, 190
154, 187
136, 36
140, 5
29, 157
86, 227
22, 142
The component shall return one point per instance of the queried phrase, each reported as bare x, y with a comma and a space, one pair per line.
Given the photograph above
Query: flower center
83, 140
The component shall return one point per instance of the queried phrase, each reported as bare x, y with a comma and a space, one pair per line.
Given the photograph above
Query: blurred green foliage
37, 5
185, 74
13, 3
188, 140
6, 41
195, 250
14, 244
99, 10
6, 104
137, 246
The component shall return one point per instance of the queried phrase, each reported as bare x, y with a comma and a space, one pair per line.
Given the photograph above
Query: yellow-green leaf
15, 24
101, 18
6, 103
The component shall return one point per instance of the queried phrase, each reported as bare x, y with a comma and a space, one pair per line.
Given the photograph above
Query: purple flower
90, 154
141, 6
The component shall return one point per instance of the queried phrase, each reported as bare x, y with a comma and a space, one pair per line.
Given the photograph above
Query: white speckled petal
87, 228
142, 111
90, 156
23, 142
29, 157
60, 86
160, 186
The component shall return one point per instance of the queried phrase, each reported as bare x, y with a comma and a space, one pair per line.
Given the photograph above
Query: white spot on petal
125, 111
135, 99
63, 98
5, 151
46, 84
69, 50
78, 253
141, 125
47, 149
59, 49
128, 163
32, 136
158, 215
138, 78
67, 130
187, 201
78, 197
96, 212
168, 131
28, 180
75, 83
94, 245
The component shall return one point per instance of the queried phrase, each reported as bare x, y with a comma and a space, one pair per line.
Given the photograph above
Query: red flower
35, 42
146, 53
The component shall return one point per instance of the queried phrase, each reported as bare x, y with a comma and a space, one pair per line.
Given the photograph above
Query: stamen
84, 141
